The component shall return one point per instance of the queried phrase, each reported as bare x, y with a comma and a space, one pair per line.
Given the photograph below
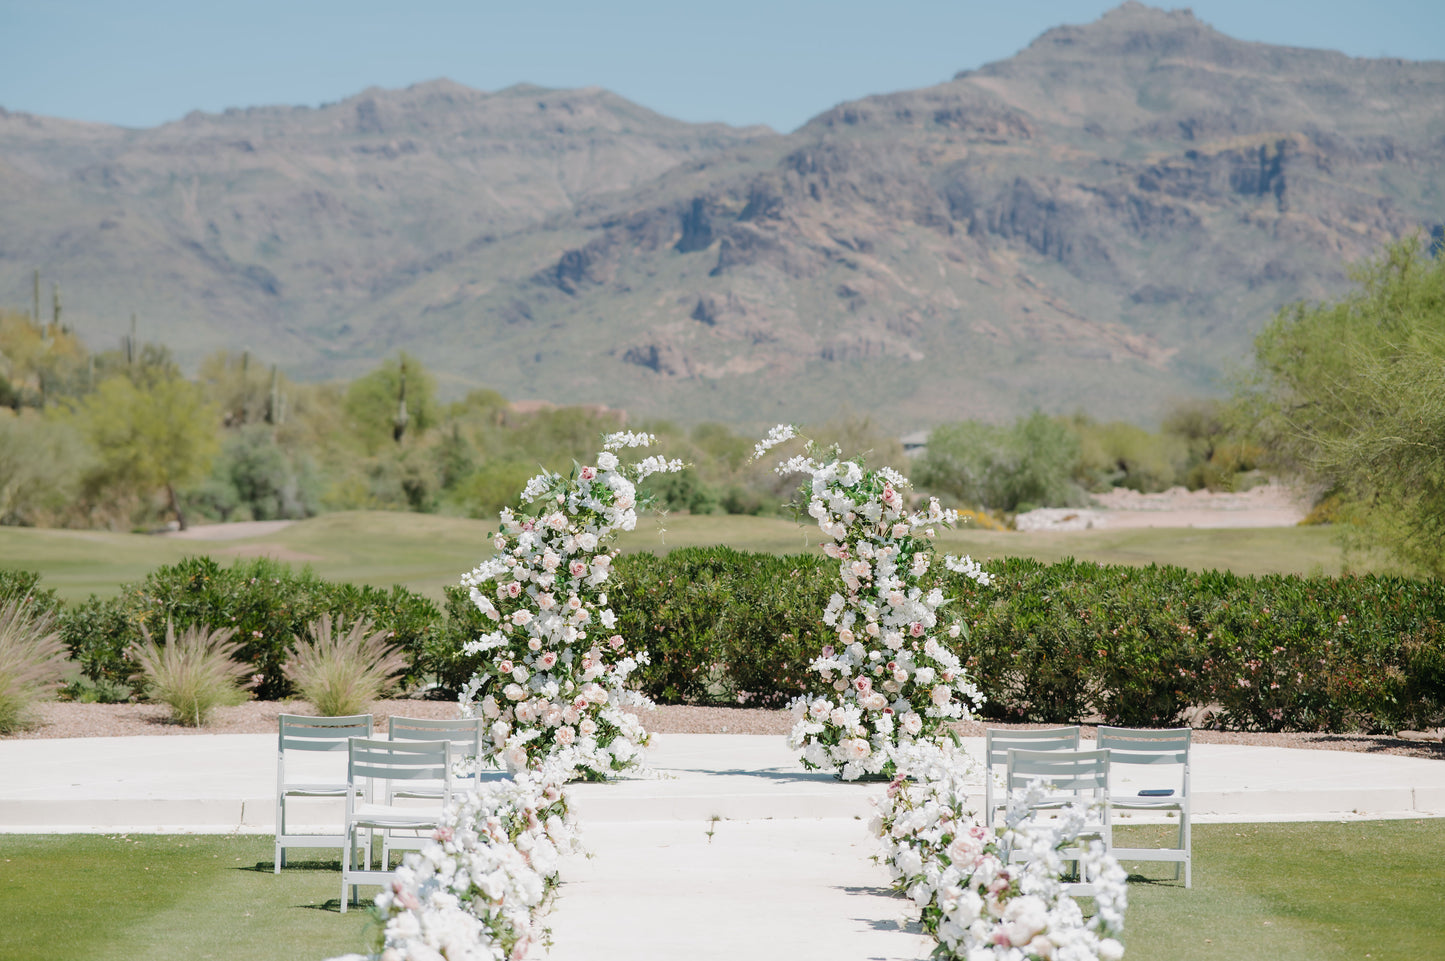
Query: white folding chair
311, 735
465, 735
373, 764
1155, 748
1071, 777
998, 742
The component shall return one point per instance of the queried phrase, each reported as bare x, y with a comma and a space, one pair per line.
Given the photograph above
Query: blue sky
144, 62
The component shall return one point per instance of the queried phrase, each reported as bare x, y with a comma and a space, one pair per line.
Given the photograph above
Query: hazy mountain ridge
1101, 221
278, 220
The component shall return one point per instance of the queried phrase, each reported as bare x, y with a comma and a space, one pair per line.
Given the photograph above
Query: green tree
1350, 396
391, 404
1030, 464
159, 436
41, 459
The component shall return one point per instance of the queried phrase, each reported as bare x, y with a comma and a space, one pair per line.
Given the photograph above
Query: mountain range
1101, 222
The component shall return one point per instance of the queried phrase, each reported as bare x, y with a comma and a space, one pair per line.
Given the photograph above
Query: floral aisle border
553, 681
478, 889
986, 895
890, 680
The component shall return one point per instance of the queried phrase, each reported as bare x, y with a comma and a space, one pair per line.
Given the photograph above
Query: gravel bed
56, 719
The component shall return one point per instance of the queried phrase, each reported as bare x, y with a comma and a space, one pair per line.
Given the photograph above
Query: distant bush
723, 626
20, 585
1145, 645
1061, 642
265, 602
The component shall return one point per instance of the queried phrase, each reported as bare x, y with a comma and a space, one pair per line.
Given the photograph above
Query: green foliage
392, 403
32, 659
255, 479
1143, 645
17, 585
192, 674
342, 671
267, 603
1349, 396
1030, 464
42, 458
157, 436
1061, 642
39, 363
1125, 455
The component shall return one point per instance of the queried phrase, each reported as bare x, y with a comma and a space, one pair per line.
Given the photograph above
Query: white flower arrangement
478, 890
553, 685
994, 896
890, 679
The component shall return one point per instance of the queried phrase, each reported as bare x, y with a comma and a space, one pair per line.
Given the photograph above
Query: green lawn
426, 552
1262, 892
1296, 892
118, 898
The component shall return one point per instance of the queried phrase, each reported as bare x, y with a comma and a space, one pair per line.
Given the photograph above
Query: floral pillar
554, 684
891, 677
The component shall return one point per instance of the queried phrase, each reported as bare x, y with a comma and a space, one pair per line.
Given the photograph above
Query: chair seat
385, 816
314, 790
1131, 803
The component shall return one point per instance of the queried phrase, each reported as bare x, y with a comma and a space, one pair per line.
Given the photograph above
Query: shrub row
1049, 642
265, 601
1145, 645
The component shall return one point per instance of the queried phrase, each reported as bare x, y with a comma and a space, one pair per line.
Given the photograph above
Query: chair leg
347, 866
1184, 833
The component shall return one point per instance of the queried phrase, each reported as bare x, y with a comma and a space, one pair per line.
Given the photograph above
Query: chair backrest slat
464, 733
1146, 746
399, 760
1065, 770
298, 732
998, 742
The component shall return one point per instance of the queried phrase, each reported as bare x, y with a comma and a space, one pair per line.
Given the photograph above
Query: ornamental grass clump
192, 674
32, 660
342, 671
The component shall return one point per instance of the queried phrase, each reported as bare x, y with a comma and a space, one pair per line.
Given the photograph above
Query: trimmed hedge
1056, 643
1146, 646
265, 601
